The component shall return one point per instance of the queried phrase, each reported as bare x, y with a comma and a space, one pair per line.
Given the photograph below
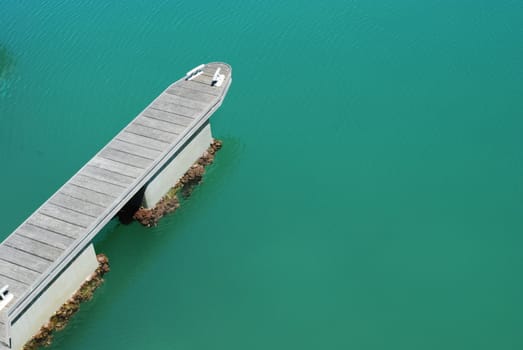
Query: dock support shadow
125, 215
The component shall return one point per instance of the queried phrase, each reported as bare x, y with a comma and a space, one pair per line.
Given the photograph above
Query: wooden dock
41, 247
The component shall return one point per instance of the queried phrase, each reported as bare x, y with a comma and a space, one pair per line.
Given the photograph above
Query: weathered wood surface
63, 226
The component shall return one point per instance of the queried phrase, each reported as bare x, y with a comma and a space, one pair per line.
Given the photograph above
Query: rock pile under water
60, 318
170, 202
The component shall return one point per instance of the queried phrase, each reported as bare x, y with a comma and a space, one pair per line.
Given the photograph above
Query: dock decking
39, 249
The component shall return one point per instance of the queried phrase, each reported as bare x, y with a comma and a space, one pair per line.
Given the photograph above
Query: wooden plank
210, 69
192, 94
204, 88
107, 176
23, 259
185, 102
152, 133
142, 141
160, 125
134, 149
33, 247
203, 79
166, 106
87, 195
97, 185
55, 225
168, 117
17, 272
66, 214
3, 334
116, 167
45, 236
126, 158
77, 205
16, 287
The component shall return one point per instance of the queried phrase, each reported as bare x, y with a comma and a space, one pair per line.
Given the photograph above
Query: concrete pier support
63, 287
179, 164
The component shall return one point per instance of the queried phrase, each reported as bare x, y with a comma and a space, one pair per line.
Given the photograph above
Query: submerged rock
61, 317
170, 202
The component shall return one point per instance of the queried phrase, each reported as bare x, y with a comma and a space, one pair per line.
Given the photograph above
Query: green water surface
369, 194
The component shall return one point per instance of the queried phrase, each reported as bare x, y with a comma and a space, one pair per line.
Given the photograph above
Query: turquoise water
368, 195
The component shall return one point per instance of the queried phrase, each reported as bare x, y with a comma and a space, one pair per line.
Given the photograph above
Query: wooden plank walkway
64, 225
